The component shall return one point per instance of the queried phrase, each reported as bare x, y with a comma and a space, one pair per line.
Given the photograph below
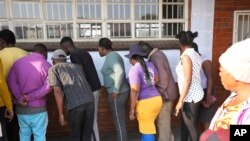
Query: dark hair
66, 39
144, 67
195, 46
186, 37
8, 36
41, 48
105, 43
146, 47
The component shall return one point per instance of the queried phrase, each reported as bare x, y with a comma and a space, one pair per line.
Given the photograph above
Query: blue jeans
35, 124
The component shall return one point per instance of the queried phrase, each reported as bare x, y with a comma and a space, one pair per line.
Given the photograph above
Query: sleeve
54, 78
42, 91
134, 77
116, 64
4, 91
13, 84
246, 117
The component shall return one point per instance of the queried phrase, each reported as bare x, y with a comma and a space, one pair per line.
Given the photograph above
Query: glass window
146, 10
59, 30
3, 13
58, 9
147, 30
89, 30
4, 25
118, 9
26, 9
171, 29
243, 25
28, 30
173, 9
119, 30
89, 9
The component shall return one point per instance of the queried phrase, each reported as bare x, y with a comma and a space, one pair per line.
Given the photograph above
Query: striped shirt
71, 79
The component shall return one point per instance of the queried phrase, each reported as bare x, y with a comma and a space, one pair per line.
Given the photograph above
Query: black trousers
3, 124
189, 121
81, 121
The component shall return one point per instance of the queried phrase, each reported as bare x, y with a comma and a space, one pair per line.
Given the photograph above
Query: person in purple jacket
145, 100
28, 82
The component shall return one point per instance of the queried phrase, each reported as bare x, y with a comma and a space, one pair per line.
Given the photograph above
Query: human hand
178, 107
9, 114
208, 100
62, 120
132, 114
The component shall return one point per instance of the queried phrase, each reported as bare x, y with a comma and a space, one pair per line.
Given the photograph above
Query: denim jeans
35, 124
81, 121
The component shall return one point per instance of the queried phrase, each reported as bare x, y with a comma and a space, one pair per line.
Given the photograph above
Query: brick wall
105, 121
223, 35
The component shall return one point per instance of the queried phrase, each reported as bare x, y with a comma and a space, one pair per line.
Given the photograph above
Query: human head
235, 61
8, 37
186, 37
41, 48
135, 50
67, 44
104, 45
59, 56
146, 47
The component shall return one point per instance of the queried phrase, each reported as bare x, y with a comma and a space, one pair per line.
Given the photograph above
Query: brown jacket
166, 85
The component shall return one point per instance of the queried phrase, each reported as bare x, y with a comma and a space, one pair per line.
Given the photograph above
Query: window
87, 30
173, 17
89, 9
58, 9
119, 30
28, 30
92, 19
242, 25
4, 25
3, 13
26, 9
59, 30
146, 10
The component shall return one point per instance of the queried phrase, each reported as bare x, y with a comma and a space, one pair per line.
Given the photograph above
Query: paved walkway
132, 136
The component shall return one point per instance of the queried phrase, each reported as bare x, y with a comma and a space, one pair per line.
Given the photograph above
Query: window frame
236, 23
103, 20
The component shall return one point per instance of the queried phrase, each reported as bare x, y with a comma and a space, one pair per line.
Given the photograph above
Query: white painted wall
202, 20
173, 58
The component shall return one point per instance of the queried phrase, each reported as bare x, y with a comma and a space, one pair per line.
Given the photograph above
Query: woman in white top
189, 83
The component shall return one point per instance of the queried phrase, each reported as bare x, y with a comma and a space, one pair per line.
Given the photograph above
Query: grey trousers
164, 122
118, 109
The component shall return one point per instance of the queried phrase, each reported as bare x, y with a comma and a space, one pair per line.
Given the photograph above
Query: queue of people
28, 78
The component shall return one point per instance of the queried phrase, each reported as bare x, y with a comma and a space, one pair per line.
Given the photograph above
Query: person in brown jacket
166, 87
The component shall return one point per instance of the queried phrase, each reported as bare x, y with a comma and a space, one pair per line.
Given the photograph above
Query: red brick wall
223, 35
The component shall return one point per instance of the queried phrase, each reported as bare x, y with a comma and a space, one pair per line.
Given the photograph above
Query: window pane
243, 26
26, 9
147, 30
173, 10
58, 10
119, 30
58, 30
89, 30
3, 12
171, 29
28, 30
4, 25
146, 10
89, 9
119, 9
